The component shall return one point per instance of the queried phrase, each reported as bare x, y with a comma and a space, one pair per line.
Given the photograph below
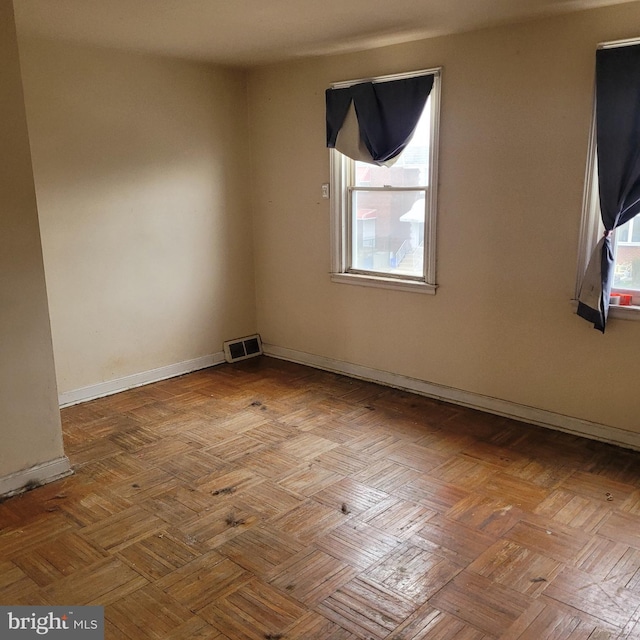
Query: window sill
381, 282
626, 312
622, 312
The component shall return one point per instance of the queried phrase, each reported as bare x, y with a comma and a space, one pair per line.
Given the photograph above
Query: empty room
317, 319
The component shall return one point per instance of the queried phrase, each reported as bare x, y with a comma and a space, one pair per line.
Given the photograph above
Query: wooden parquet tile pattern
267, 500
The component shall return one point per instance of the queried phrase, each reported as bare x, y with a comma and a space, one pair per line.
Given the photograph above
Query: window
626, 275
626, 242
625, 238
384, 216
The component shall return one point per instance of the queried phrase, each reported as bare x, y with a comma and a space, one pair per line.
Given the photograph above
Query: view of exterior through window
388, 207
626, 276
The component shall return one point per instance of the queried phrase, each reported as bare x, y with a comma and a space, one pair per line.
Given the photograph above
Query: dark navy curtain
618, 147
387, 113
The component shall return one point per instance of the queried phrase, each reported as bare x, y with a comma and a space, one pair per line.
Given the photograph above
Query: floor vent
242, 348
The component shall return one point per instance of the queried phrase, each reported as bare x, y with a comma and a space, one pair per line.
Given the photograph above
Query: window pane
627, 256
388, 231
411, 168
622, 233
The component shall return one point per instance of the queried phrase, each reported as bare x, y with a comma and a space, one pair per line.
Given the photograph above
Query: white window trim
591, 228
591, 224
339, 205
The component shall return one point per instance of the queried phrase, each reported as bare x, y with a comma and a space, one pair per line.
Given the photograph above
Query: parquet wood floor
267, 500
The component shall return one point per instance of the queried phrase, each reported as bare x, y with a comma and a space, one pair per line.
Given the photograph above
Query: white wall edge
35, 476
110, 387
523, 413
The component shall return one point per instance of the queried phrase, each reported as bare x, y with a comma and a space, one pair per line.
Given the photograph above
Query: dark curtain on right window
618, 149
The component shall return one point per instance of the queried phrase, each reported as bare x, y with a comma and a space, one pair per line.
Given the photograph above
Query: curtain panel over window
374, 121
618, 149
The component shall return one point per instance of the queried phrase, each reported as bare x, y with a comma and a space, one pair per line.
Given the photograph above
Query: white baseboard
523, 413
34, 476
102, 389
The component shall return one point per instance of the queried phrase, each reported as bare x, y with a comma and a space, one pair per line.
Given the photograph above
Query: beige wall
140, 166
516, 109
29, 416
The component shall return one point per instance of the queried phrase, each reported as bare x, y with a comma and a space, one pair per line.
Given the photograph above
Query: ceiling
251, 32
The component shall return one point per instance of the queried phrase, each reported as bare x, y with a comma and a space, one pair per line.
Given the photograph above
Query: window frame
342, 176
591, 227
